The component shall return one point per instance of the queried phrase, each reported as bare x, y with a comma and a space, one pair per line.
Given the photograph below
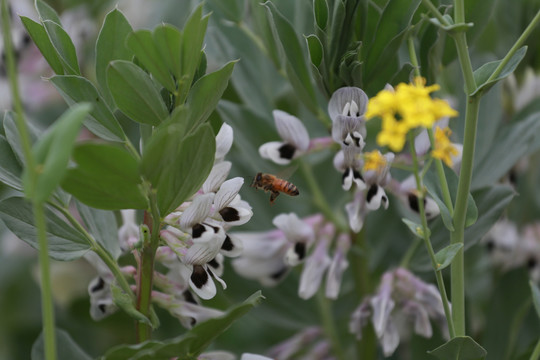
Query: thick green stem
318, 198
427, 241
146, 269
47, 306
327, 318
435, 12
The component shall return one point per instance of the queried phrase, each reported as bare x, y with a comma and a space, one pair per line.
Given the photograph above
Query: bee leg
273, 197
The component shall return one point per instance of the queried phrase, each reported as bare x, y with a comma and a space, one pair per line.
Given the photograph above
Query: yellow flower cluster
407, 107
444, 149
374, 160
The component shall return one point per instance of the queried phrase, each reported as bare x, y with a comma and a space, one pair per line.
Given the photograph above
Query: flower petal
224, 140
337, 267
201, 282
375, 197
346, 95
227, 192
202, 253
217, 176
197, 211
294, 228
313, 271
279, 152
291, 129
231, 247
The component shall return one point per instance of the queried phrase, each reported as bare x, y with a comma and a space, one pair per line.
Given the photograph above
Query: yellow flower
444, 149
407, 107
374, 160
393, 133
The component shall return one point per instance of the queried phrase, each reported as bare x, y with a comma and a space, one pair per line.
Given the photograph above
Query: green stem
98, 249
47, 306
412, 56
327, 318
435, 12
410, 252
318, 197
146, 271
427, 241
459, 11
442, 177
520, 41
536, 353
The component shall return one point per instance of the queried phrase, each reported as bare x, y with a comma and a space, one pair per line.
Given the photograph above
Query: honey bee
275, 185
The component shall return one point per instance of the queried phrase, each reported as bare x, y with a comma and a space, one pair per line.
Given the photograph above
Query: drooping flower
377, 176
401, 297
310, 342
346, 109
295, 139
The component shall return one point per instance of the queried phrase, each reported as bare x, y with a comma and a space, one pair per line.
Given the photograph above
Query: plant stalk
329, 326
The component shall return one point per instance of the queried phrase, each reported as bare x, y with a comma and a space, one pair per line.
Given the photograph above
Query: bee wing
286, 173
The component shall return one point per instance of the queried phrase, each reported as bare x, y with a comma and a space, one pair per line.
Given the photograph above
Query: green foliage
460, 348
67, 348
52, 152
135, 94
189, 345
445, 256
106, 177
41, 39
65, 243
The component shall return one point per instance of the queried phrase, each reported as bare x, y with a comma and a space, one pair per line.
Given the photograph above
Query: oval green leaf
41, 39
101, 122
135, 94
445, 256
64, 242
64, 47
106, 177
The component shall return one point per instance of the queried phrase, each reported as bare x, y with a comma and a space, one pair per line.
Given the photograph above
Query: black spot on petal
356, 140
357, 175
490, 245
198, 230
279, 274
372, 192
229, 214
199, 276
188, 296
216, 229
413, 203
102, 308
345, 174
193, 321
286, 151
99, 286
300, 250
213, 263
531, 263
227, 244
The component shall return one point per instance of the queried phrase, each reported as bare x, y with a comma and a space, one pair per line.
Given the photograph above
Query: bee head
257, 179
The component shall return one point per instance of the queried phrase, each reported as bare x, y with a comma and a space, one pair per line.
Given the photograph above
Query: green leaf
41, 39
535, 291
415, 228
103, 227
445, 256
190, 344
168, 42
315, 50
521, 137
192, 43
64, 242
177, 163
142, 44
75, 89
296, 65
106, 177
431, 180
206, 93
135, 94
391, 28
10, 169
482, 74
125, 302
66, 347
46, 12
459, 348
320, 9
492, 202
64, 47
111, 46
232, 9
52, 152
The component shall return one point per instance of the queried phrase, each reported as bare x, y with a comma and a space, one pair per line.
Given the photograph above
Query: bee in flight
275, 185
